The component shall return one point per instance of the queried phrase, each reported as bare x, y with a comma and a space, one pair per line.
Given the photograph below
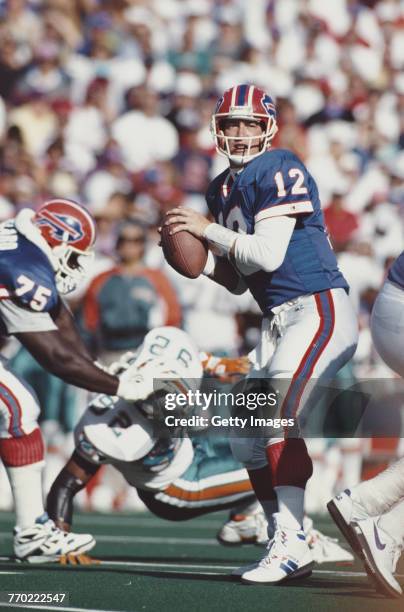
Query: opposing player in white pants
371, 515
269, 228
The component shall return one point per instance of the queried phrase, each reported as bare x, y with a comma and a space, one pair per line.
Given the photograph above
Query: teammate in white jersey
371, 515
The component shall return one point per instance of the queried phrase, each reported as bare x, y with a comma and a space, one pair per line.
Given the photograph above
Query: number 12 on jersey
298, 186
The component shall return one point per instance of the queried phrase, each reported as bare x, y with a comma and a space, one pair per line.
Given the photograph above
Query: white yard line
157, 540
169, 566
135, 520
127, 539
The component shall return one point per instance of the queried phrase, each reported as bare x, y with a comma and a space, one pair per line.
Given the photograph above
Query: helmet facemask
69, 231
223, 142
71, 266
246, 103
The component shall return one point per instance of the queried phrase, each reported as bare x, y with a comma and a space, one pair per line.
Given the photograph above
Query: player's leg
380, 544
370, 498
323, 333
376, 496
356, 510
73, 477
22, 452
387, 326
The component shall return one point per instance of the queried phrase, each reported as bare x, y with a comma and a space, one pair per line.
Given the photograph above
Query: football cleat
323, 548
344, 511
45, 543
380, 554
244, 529
288, 556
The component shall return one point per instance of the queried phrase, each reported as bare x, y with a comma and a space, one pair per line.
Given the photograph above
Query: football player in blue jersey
371, 515
42, 255
269, 226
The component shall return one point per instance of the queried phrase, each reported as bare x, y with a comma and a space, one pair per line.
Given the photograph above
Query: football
184, 252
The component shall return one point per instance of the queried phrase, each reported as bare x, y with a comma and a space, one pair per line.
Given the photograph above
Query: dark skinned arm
63, 353
66, 324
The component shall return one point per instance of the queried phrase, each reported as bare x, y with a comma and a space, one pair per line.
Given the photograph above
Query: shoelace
271, 550
395, 553
316, 536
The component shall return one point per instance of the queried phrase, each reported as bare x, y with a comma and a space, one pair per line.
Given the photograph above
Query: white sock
26, 485
270, 506
380, 493
290, 506
393, 523
351, 462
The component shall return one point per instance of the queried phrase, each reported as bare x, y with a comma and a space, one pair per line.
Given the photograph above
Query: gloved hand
225, 368
133, 385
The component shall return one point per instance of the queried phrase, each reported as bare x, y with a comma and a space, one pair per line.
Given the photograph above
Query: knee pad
25, 450
290, 463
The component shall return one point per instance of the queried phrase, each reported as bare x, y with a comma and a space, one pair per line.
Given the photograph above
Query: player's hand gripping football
225, 369
188, 219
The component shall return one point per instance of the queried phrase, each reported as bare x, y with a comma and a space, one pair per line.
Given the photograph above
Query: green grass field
153, 565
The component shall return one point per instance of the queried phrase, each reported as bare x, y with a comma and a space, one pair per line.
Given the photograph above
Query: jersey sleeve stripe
292, 208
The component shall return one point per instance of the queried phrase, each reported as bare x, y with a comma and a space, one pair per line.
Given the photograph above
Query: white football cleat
45, 543
380, 554
344, 511
323, 548
288, 556
244, 529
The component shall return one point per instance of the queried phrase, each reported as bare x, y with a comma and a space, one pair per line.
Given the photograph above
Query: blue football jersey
396, 272
277, 183
26, 274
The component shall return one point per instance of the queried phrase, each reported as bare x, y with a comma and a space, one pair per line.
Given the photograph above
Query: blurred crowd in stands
108, 102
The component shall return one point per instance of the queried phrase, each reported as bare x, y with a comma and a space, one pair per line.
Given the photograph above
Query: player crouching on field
177, 479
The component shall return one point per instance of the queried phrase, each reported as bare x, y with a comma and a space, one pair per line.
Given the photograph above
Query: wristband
210, 264
220, 237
